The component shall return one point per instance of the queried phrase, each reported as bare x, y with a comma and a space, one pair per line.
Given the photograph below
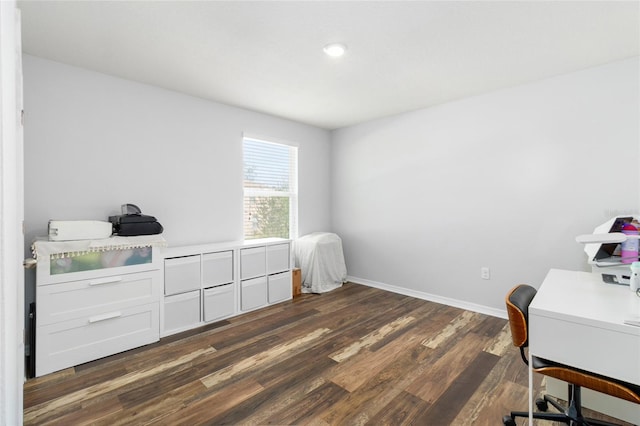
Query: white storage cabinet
95, 304
253, 269
211, 282
279, 272
265, 275
182, 292
199, 286
219, 300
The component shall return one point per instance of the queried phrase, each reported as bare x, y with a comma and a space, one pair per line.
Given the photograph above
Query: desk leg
530, 391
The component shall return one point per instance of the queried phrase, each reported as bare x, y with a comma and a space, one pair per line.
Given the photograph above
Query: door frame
12, 365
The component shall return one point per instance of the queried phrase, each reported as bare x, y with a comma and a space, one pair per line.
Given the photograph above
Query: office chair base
570, 416
555, 417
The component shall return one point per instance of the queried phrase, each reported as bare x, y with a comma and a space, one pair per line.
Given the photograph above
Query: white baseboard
500, 313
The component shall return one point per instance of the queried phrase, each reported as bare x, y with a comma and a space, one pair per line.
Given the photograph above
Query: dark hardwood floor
354, 356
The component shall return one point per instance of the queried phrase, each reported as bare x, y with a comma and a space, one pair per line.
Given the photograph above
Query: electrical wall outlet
485, 273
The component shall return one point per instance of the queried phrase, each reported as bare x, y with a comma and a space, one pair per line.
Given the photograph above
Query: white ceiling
267, 56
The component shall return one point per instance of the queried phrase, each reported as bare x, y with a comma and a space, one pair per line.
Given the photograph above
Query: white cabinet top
584, 298
215, 247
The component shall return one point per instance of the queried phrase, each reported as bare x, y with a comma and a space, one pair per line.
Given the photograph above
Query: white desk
578, 320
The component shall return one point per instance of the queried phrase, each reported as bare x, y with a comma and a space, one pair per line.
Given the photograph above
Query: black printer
132, 222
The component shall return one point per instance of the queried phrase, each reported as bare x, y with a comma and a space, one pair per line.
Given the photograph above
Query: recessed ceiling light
335, 50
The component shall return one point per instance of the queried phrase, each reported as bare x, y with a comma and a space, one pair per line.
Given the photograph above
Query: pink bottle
629, 248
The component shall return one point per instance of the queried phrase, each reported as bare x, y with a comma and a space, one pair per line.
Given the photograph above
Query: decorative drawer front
65, 344
77, 299
75, 267
181, 311
217, 268
254, 293
252, 262
278, 258
181, 274
219, 302
279, 287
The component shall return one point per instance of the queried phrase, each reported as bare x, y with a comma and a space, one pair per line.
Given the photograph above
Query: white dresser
94, 302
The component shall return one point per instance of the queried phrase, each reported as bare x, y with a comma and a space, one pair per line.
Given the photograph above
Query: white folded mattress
321, 260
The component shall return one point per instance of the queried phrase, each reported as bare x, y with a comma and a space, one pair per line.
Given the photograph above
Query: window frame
292, 194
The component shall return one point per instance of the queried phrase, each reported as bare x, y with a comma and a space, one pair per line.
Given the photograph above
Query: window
270, 189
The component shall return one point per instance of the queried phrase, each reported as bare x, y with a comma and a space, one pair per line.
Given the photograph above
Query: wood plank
362, 368
54, 385
201, 410
102, 388
186, 373
306, 409
284, 350
404, 409
502, 342
428, 311
492, 401
149, 411
460, 322
288, 392
380, 389
82, 413
434, 381
257, 329
371, 338
446, 408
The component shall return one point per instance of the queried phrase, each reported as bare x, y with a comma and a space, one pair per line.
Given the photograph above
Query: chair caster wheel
542, 404
508, 421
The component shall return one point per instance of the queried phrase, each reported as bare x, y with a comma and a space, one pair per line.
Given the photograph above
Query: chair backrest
518, 300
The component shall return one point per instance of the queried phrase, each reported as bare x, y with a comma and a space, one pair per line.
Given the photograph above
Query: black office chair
518, 300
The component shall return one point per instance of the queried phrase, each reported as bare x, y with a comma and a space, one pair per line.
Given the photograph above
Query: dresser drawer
252, 262
68, 343
279, 287
181, 311
77, 299
253, 293
217, 268
278, 258
181, 274
219, 302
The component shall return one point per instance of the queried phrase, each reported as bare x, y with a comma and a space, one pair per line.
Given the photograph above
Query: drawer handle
106, 281
105, 317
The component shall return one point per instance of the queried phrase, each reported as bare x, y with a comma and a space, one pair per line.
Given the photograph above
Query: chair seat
585, 379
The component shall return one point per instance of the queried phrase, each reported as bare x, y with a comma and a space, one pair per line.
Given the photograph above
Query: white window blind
270, 189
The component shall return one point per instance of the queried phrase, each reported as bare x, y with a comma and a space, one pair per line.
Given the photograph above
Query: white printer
604, 258
71, 230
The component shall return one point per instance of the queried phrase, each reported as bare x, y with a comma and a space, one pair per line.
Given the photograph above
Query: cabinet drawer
252, 262
217, 268
68, 343
181, 311
181, 274
253, 293
76, 299
279, 287
277, 258
219, 302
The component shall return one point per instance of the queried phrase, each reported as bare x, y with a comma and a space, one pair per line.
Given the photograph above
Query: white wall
94, 142
505, 180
